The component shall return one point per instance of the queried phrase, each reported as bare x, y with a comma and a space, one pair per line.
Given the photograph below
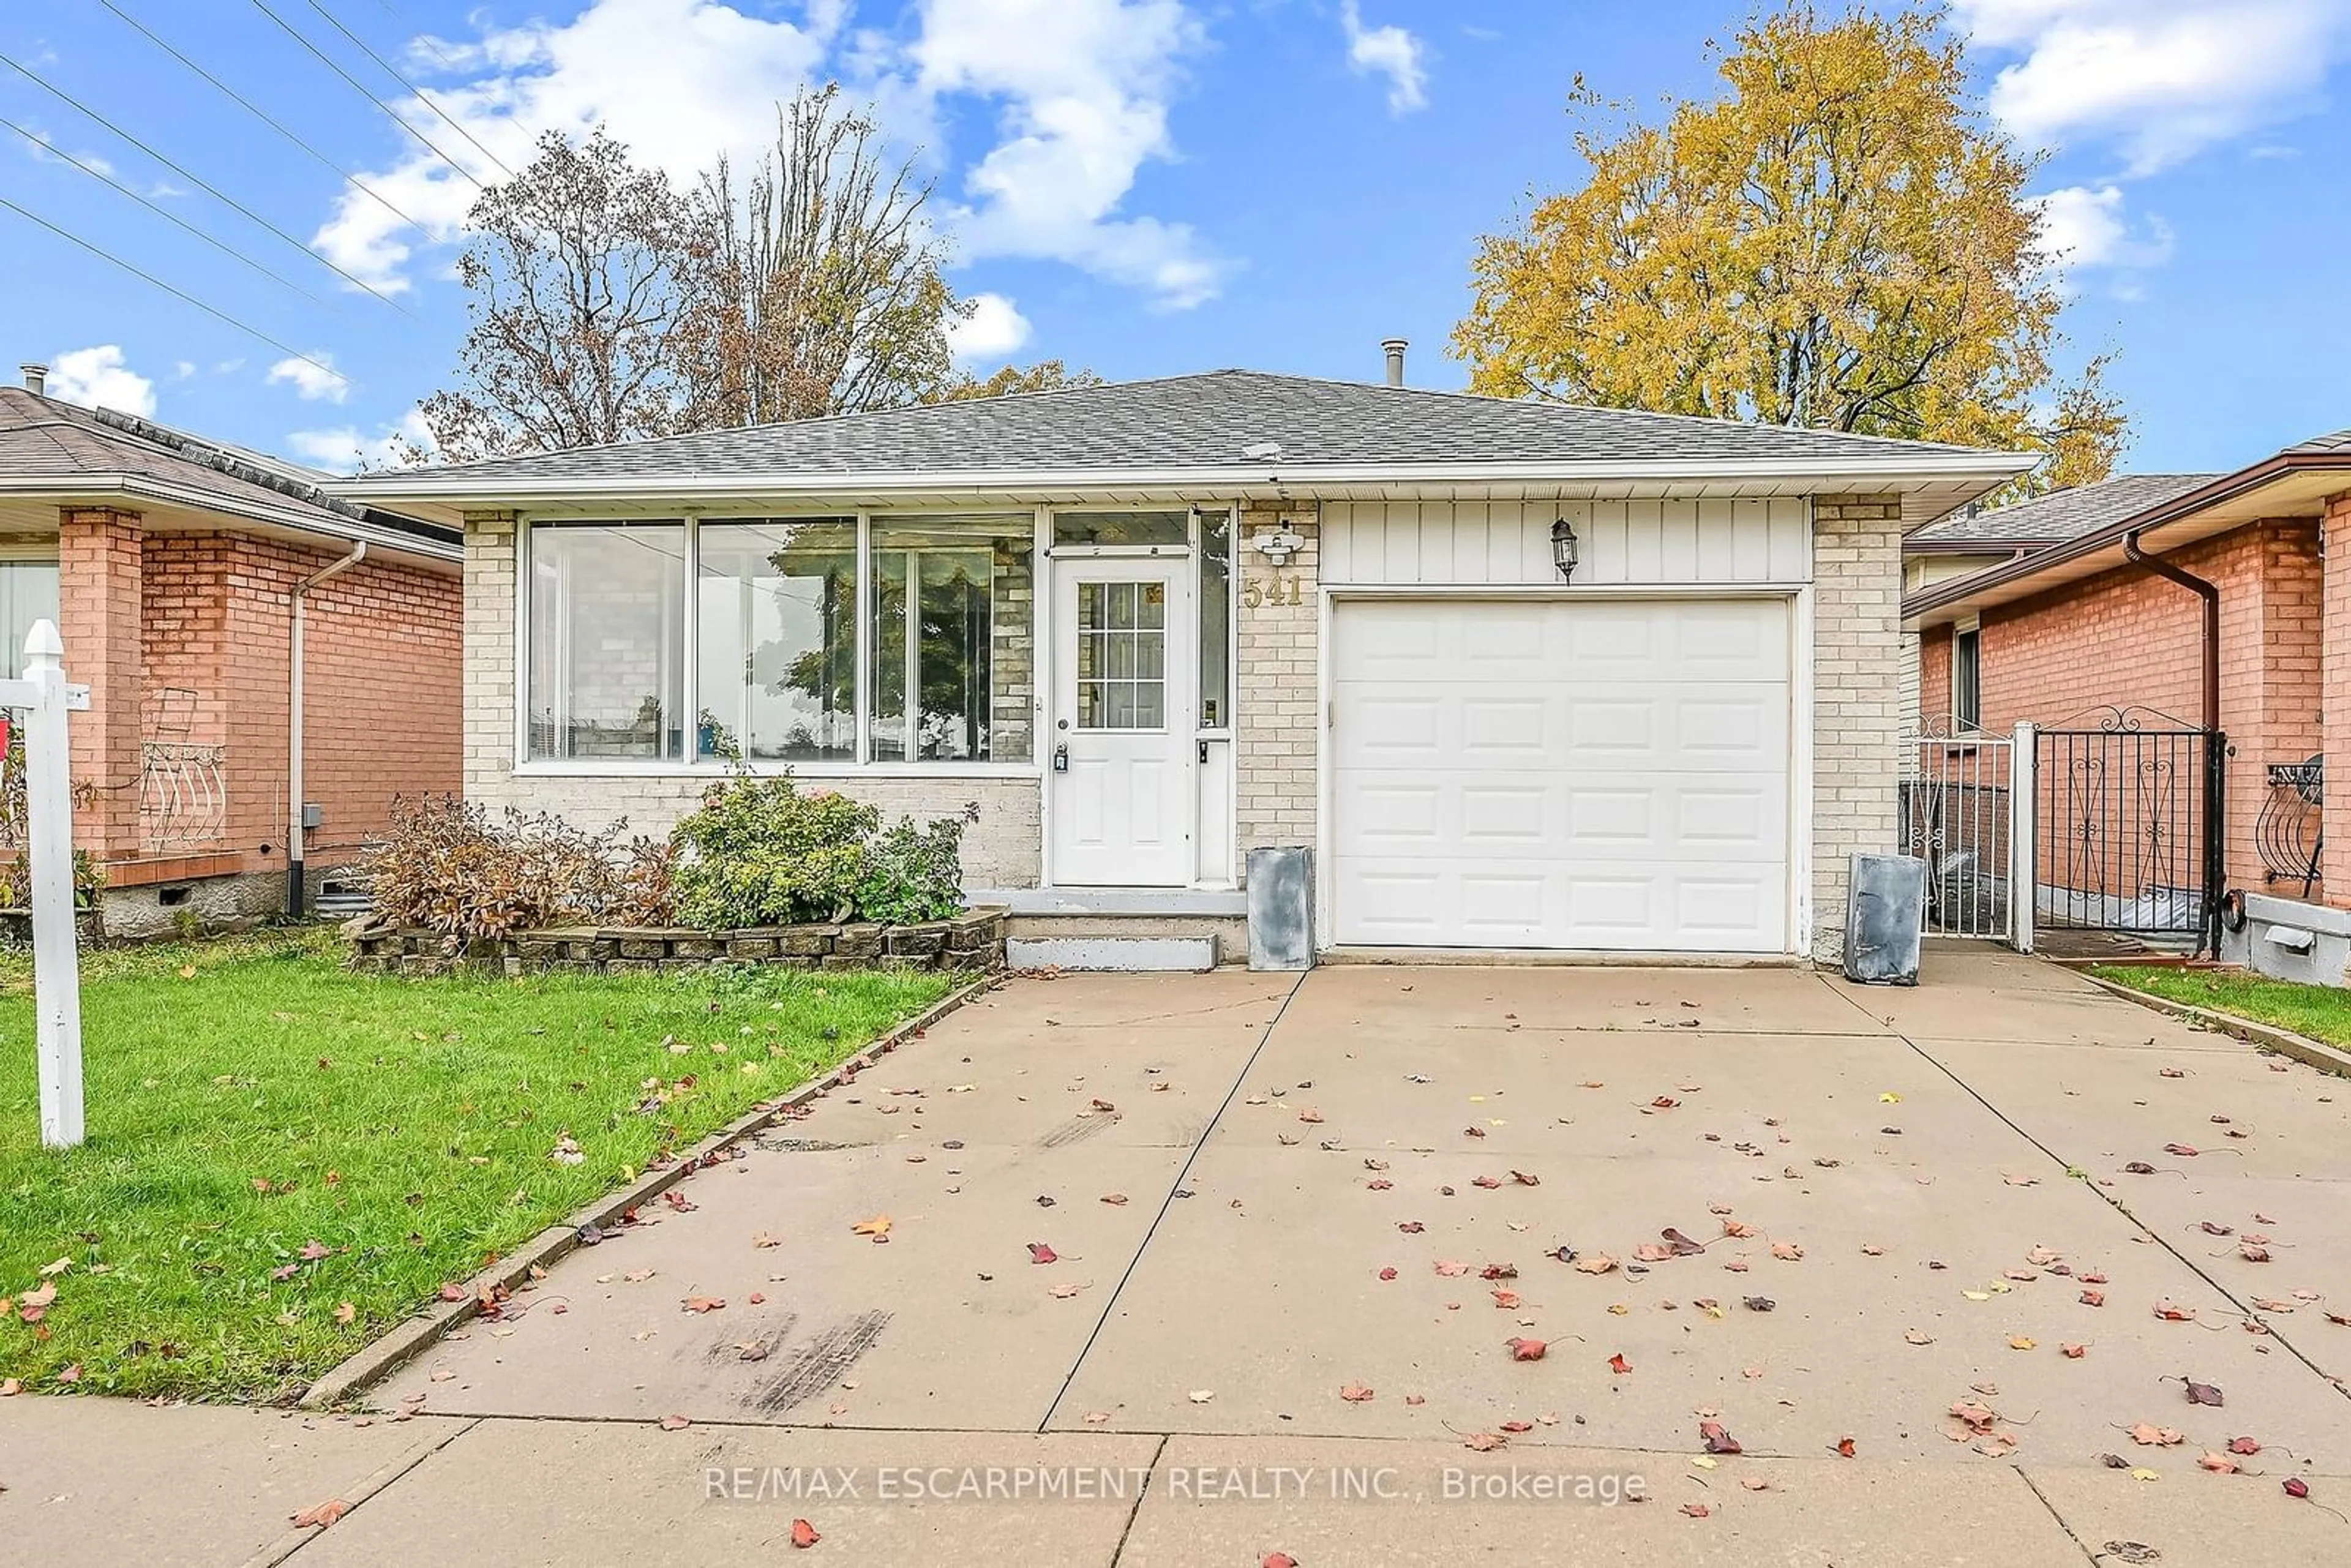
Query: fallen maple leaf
2295, 1487
1485, 1442
1696, 1510
2094, 1297
674, 1423
1038, 1252
804, 1534
318, 1516
1786, 1251
1355, 1393
1277, 1560
1718, 1440
1919, 1336
1652, 1252
2202, 1393
1844, 1447
1451, 1269
1754, 1483
1594, 1263
1506, 1300
2021, 1342
2174, 1314
2244, 1445
1527, 1349
1618, 1365
877, 1228
2072, 1352
2149, 1436
705, 1303
347, 1314
1388, 1273
2218, 1464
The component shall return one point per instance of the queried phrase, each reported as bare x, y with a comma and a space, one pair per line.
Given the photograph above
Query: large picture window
778, 610
777, 629
951, 640
606, 641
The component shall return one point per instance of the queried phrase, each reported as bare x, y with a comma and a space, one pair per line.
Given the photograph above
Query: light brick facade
1279, 685
1856, 697
1856, 702
183, 637
2128, 638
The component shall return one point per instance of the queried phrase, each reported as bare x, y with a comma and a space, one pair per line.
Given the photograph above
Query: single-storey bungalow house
1522, 675
205, 594
2197, 602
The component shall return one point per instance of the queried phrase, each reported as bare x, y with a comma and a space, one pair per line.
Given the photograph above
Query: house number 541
1279, 591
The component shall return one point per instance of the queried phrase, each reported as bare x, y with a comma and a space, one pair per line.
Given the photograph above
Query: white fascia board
102, 489
1894, 472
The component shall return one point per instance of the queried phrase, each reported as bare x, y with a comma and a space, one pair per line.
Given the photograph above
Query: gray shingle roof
2333, 442
46, 442
2062, 514
1220, 418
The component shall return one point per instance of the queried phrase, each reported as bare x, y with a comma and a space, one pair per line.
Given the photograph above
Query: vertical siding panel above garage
1507, 543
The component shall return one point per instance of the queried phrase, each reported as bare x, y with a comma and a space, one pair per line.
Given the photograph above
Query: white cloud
680, 82
2159, 80
314, 378
994, 329
43, 148
1080, 88
2085, 226
182, 369
1085, 87
1391, 51
344, 449
97, 378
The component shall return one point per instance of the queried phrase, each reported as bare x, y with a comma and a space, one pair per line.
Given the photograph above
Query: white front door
1119, 807
1595, 774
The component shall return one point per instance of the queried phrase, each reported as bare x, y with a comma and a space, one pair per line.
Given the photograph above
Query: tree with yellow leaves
1841, 241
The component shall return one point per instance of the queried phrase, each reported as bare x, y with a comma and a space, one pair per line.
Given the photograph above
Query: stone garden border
972, 940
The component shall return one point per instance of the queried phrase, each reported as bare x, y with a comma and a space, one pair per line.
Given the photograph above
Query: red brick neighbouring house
2073, 626
170, 565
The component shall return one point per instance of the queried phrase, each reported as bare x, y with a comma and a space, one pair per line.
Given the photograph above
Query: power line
211, 190
421, 96
176, 293
259, 113
44, 145
360, 88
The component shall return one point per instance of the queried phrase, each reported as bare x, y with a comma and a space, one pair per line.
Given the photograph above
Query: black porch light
1562, 550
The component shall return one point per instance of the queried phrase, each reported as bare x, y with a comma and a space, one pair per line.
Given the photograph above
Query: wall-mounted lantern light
1562, 550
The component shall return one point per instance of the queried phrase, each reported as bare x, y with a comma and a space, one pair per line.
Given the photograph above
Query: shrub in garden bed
759, 852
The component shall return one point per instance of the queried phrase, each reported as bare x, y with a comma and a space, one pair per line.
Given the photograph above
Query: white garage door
1598, 774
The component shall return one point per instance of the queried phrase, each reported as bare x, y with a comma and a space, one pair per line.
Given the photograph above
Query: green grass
2322, 1012
406, 1126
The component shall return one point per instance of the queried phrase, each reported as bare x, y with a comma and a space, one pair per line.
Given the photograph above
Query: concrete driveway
1902, 1201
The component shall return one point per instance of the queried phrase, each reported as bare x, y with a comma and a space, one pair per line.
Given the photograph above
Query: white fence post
2023, 815
48, 847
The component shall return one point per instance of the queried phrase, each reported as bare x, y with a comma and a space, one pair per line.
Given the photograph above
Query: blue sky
1141, 187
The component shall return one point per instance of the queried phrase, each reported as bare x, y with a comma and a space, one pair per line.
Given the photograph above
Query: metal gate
1959, 815
2127, 825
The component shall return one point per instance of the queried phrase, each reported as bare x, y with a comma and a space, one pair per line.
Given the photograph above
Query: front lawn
2322, 1012
285, 1157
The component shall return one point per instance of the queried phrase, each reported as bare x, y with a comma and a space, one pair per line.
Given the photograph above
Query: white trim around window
1032, 522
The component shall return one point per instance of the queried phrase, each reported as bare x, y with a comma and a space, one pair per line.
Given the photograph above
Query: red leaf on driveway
2202, 1393
1527, 1349
318, 1516
1618, 1365
1844, 1448
1718, 1439
804, 1534
1040, 1253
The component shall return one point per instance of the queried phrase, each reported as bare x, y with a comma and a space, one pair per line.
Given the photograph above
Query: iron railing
2129, 824
2289, 834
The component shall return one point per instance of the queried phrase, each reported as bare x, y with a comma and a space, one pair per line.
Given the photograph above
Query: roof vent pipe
1394, 347
36, 377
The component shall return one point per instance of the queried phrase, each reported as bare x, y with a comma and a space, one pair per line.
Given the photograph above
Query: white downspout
294, 895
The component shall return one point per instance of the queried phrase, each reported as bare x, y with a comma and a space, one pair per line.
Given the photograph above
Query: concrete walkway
1905, 1201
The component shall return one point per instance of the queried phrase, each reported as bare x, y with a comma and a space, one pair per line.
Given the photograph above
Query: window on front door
1122, 655
1967, 679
